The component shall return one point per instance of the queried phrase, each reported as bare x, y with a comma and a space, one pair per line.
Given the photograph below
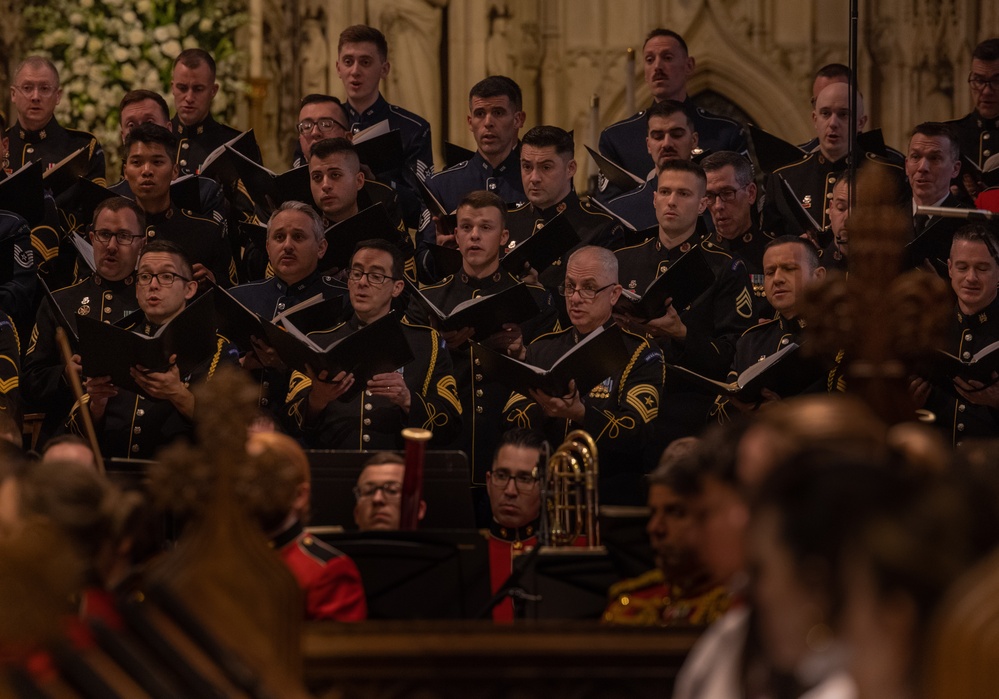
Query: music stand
622, 531
571, 583
419, 575
446, 483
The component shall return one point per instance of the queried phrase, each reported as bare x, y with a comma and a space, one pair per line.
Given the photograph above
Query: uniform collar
513, 534
194, 129
990, 312
380, 108
119, 285
793, 325
510, 164
552, 211
47, 131
483, 282
299, 286
166, 214
285, 537
739, 241
983, 123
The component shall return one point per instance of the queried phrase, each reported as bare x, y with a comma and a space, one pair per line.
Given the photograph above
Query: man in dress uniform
825, 76
702, 336
319, 117
340, 191
731, 195
811, 179
618, 412
978, 131
515, 503
834, 255
193, 86
932, 161
968, 409
547, 168
422, 393
362, 62
670, 135
678, 591
330, 582
378, 493
108, 295
17, 294
149, 169
668, 66
36, 135
295, 244
132, 426
495, 117
481, 233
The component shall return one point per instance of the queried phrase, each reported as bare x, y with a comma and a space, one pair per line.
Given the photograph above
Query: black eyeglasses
568, 290
391, 491
164, 278
727, 195
374, 278
980, 83
325, 125
524, 482
122, 237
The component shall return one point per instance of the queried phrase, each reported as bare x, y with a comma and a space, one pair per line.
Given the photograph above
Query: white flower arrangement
103, 48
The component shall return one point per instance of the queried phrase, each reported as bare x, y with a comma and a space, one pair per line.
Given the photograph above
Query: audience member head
35, 92
336, 178
290, 481
973, 268
547, 165
731, 192
495, 117
193, 85
118, 234
296, 241
790, 264
670, 132
932, 161
668, 64
591, 287
142, 107
320, 117
513, 480
69, 447
480, 232
379, 493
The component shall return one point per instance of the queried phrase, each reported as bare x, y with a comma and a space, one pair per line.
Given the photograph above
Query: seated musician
616, 413
515, 503
340, 191
108, 294
479, 235
330, 582
790, 264
677, 591
129, 425
420, 394
968, 408
295, 244
378, 493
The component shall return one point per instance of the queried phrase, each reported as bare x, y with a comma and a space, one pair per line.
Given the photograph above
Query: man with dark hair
495, 117
670, 134
481, 232
340, 191
108, 294
129, 425
931, 162
515, 502
378, 493
193, 86
36, 135
319, 117
547, 167
968, 408
731, 195
421, 394
149, 169
619, 411
668, 66
978, 131
701, 336
362, 62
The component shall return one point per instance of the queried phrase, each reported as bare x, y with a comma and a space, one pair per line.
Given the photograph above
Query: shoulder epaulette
316, 549
758, 326
649, 578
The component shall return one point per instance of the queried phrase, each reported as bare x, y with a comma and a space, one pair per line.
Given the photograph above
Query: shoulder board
714, 249
758, 326
716, 117
635, 117
454, 168
519, 207
316, 549
590, 211
71, 286
417, 326
805, 158
247, 285
79, 132
190, 214
406, 114
327, 330
881, 160
443, 282
650, 578
549, 335
376, 185
636, 246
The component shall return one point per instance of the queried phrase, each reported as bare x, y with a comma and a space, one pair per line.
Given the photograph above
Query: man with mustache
667, 67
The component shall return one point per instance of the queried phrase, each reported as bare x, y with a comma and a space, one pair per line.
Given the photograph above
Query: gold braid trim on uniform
744, 299
220, 342
644, 398
409, 270
434, 347
296, 384
45, 251
435, 418
631, 363
9, 385
614, 425
32, 341
834, 382
447, 388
